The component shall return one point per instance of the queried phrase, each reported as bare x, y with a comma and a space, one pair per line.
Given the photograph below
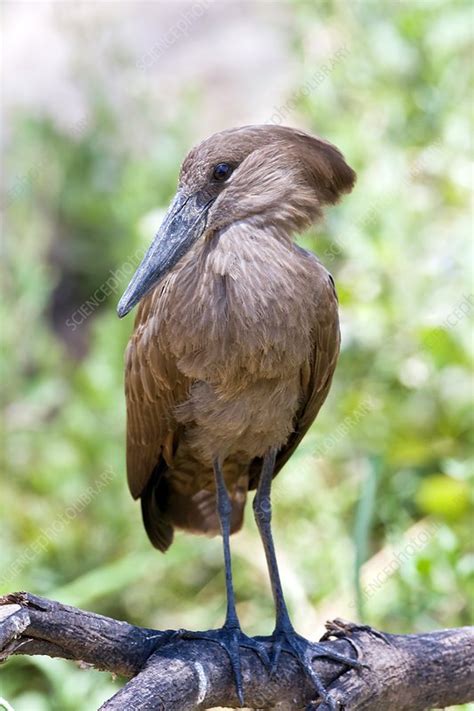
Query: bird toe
231, 639
305, 652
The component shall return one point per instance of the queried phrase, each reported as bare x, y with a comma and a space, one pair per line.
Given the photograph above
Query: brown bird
235, 344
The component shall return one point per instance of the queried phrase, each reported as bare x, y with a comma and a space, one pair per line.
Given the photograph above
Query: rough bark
400, 673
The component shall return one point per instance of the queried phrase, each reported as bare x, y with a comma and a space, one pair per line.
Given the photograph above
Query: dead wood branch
401, 672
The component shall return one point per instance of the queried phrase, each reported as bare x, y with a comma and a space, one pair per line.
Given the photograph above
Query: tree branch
401, 672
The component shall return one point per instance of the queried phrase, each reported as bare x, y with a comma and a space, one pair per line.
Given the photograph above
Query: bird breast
241, 308
238, 314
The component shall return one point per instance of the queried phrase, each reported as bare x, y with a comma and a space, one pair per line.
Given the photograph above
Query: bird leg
284, 636
230, 636
224, 511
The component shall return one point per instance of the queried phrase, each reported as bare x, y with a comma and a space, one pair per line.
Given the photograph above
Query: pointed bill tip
123, 308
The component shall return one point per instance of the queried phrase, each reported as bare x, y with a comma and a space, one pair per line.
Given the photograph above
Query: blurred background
373, 514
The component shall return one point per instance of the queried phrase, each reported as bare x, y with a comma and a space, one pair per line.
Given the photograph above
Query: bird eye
222, 171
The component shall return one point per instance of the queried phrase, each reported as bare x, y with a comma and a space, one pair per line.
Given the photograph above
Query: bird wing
316, 376
153, 386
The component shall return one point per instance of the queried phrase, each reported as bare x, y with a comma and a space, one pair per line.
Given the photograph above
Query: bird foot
231, 638
305, 652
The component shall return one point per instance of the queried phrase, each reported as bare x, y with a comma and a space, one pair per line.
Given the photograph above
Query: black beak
182, 226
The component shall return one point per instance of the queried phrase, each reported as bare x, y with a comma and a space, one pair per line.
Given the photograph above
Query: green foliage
382, 484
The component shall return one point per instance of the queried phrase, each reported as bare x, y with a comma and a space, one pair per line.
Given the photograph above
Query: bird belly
246, 423
235, 431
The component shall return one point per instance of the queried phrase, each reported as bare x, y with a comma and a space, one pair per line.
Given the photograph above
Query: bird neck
244, 250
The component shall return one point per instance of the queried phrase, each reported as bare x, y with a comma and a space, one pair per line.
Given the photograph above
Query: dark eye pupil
222, 171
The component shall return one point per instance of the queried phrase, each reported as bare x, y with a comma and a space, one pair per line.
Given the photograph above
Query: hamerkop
234, 348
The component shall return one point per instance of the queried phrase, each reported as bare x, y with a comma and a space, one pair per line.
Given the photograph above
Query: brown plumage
236, 340
233, 352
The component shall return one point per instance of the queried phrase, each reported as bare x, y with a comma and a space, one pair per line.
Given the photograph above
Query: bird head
267, 176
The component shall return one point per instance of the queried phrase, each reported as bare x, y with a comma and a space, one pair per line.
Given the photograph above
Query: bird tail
154, 501
164, 508
198, 513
